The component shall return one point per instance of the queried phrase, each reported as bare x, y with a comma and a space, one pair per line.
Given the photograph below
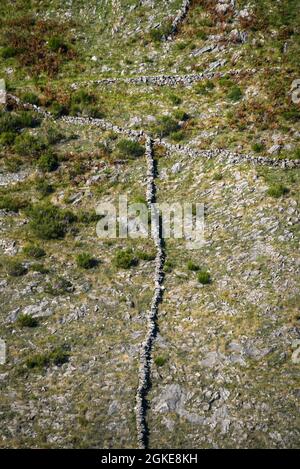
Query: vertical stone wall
146, 347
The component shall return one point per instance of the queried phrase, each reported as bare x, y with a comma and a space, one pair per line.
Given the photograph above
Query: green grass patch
204, 277
192, 266
39, 267
26, 320
258, 147
160, 361
34, 251
277, 191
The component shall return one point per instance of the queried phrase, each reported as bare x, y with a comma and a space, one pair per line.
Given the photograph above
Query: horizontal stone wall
228, 156
167, 80
186, 150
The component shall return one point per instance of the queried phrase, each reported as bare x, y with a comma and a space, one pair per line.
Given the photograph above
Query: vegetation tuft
125, 259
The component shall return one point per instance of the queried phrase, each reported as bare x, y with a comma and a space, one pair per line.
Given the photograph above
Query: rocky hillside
127, 343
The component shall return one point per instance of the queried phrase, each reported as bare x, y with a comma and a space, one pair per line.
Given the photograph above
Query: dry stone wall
146, 347
181, 15
167, 80
231, 157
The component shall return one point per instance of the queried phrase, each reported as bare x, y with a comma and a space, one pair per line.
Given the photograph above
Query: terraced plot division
115, 335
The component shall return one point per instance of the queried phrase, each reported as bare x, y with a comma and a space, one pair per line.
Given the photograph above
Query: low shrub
7, 138
130, 149
146, 256
85, 260
166, 125
202, 35
8, 52
204, 277
159, 34
125, 259
235, 94
13, 163
156, 34
31, 98
28, 145
34, 251
49, 222
88, 217
88, 111
12, 203
181, 45
181, 115
83, 102
57, 109
258, 147
48, 162
57, 356
53, 136
38, 360
82, 97
40, 44
78, 168
169, 266
296, 154
277, 190
226, 82
15, 268
13, 122
26, 320
57, 44
44, 188
94, 112
292, 114
28, 119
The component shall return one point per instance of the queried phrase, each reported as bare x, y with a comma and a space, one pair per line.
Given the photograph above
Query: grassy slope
71, 406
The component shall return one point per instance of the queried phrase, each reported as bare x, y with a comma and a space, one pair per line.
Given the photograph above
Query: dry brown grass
29, 39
